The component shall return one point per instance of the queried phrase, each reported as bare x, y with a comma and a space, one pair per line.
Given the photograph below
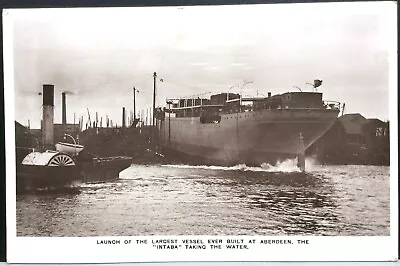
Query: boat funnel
64, 109
48, 116
269, 94
123, 117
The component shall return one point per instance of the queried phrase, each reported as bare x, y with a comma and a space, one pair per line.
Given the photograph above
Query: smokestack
48, 116
64, 109
123, 117
269, 94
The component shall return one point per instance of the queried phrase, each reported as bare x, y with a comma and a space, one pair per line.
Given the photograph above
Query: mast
134, 103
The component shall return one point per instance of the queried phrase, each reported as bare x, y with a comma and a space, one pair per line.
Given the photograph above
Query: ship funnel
64, 109
269, 94
123, 117
48, 116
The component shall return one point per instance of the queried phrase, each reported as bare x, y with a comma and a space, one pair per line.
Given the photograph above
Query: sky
98, 54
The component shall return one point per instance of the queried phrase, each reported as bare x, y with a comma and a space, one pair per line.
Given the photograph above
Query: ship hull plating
253, 138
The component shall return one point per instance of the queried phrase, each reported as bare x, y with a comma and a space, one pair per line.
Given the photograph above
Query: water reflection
42, 213
292, 203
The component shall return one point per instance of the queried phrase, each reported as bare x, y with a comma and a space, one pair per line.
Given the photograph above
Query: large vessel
230, 129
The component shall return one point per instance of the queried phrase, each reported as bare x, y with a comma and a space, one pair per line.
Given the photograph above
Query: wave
286, 166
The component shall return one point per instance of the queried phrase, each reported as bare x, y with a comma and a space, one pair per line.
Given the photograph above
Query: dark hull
104, 169
253, 138
33, 177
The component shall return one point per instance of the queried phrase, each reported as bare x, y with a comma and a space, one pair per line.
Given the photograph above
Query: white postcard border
87, 249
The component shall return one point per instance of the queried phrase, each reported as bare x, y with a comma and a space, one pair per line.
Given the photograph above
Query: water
213, 200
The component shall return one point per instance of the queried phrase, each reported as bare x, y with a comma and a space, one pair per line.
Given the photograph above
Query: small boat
68, 148
54, 169
47, 169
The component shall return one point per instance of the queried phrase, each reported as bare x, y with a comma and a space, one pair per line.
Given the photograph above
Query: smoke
69, 92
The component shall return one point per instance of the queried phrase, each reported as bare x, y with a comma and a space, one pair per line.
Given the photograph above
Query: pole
154, 96
134, 103
169, 125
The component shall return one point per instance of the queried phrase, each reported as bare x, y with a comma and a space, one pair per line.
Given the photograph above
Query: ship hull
105, 169
253, 138
31, 177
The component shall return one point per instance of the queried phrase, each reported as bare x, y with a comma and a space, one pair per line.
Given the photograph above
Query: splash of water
290, 165
206, 167
312, 164
239, 167
286, 166
76, 183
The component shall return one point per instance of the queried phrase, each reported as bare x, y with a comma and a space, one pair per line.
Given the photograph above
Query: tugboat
62, 164
49, 169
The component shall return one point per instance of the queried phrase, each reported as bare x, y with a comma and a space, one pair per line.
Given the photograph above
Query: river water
213, 200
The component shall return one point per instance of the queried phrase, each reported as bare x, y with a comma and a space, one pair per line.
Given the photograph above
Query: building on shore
24, 138
354, 139
25, 141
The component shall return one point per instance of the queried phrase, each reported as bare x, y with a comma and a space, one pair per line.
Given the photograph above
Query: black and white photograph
202, 132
